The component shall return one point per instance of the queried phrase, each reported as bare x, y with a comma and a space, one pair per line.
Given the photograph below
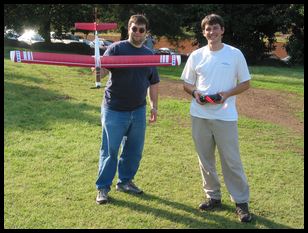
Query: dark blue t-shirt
126, 89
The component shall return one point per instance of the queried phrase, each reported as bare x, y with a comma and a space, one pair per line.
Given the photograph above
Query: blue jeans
126, 128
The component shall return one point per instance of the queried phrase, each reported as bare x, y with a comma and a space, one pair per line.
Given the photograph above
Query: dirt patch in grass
266, 105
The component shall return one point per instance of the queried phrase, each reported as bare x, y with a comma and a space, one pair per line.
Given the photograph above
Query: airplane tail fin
95, 26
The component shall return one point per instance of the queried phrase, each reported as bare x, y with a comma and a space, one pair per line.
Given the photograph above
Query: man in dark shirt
123, 113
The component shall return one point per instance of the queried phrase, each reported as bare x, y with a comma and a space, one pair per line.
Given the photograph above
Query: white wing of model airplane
96, 61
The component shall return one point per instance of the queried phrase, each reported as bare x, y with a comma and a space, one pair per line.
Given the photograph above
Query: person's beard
137, 42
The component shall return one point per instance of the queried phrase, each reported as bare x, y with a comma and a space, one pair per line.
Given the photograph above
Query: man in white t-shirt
214, 75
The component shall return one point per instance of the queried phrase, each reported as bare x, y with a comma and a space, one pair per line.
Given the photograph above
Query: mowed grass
52, 135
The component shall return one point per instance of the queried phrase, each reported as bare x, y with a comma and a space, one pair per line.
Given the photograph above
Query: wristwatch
193, 93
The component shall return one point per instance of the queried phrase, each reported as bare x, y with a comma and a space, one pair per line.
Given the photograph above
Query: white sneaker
102, 196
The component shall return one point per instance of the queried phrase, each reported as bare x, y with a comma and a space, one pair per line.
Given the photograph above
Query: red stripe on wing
89, 61
59, 59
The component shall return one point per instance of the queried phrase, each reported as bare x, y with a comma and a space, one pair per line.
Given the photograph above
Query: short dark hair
138, 19
212, 19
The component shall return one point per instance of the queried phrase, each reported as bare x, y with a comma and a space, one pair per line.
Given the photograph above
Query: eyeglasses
141, 30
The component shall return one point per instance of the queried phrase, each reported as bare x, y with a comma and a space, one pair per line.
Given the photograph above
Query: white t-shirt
213, 72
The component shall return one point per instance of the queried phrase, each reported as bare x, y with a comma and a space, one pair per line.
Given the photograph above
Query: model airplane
96, 61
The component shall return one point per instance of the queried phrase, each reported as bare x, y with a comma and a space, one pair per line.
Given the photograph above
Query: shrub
77, 48
295, 49
15, 43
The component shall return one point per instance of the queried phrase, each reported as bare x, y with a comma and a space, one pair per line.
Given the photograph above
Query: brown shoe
210, 204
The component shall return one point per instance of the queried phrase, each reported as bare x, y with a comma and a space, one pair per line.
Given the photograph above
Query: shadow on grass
34, 108
212, 219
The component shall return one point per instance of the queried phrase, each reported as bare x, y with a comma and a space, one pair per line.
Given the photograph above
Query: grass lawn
52, 135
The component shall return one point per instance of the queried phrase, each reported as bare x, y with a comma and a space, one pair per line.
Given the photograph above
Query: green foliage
295, 49
46, 17
295, 44
246, 26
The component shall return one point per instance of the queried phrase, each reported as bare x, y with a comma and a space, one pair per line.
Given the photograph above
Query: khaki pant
206, 135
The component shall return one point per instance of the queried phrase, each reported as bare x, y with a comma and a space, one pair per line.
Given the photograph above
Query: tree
45, 17
164, 19
295, 25
250, 27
